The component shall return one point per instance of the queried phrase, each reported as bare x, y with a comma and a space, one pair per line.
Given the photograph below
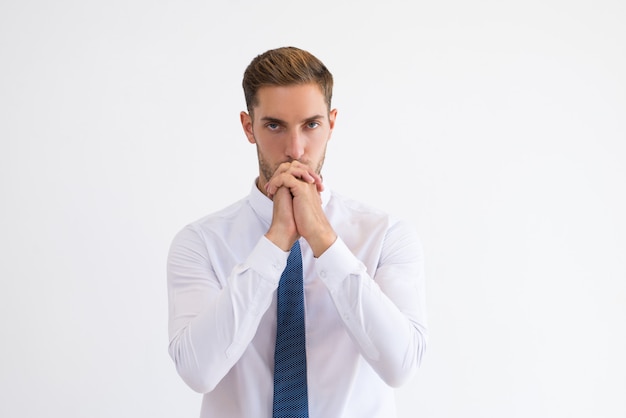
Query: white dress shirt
364, 309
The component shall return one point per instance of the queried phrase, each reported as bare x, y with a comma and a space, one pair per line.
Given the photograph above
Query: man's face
290, 123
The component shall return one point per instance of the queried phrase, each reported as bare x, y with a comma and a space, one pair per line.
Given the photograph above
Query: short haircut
285, 66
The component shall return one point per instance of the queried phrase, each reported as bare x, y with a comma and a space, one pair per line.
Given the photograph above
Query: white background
497, 128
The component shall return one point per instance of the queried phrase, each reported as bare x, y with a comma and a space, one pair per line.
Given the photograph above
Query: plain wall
497, 128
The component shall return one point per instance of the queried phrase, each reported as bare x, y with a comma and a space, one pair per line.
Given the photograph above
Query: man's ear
246, 124
332, 116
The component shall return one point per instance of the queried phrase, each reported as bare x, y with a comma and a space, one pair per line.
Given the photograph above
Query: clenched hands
295, 190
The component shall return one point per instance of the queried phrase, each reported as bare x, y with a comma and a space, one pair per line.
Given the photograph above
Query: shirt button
322, 274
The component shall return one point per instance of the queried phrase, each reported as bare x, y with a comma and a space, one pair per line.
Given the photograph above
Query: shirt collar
264, 208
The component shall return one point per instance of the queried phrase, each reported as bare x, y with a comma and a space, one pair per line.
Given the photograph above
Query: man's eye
272, 126
313, 125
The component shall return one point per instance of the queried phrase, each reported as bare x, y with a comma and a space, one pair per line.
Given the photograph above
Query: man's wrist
282, 241
321, 242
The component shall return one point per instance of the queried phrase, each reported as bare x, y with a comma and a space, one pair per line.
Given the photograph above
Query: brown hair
284, 67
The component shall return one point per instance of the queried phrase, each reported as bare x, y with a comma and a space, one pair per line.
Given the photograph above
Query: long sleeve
211, 322
385, 314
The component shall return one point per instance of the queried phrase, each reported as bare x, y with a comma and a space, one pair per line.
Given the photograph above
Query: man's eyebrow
272, 119
314, 117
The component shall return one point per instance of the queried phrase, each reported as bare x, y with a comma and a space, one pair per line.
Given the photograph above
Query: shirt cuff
267, 260
337, 263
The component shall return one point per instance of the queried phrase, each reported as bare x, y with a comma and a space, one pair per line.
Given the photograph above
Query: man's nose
295, 145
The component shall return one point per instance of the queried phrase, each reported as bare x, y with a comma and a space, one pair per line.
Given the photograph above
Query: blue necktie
290, 386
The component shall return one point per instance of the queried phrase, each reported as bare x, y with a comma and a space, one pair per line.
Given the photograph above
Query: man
364, 313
